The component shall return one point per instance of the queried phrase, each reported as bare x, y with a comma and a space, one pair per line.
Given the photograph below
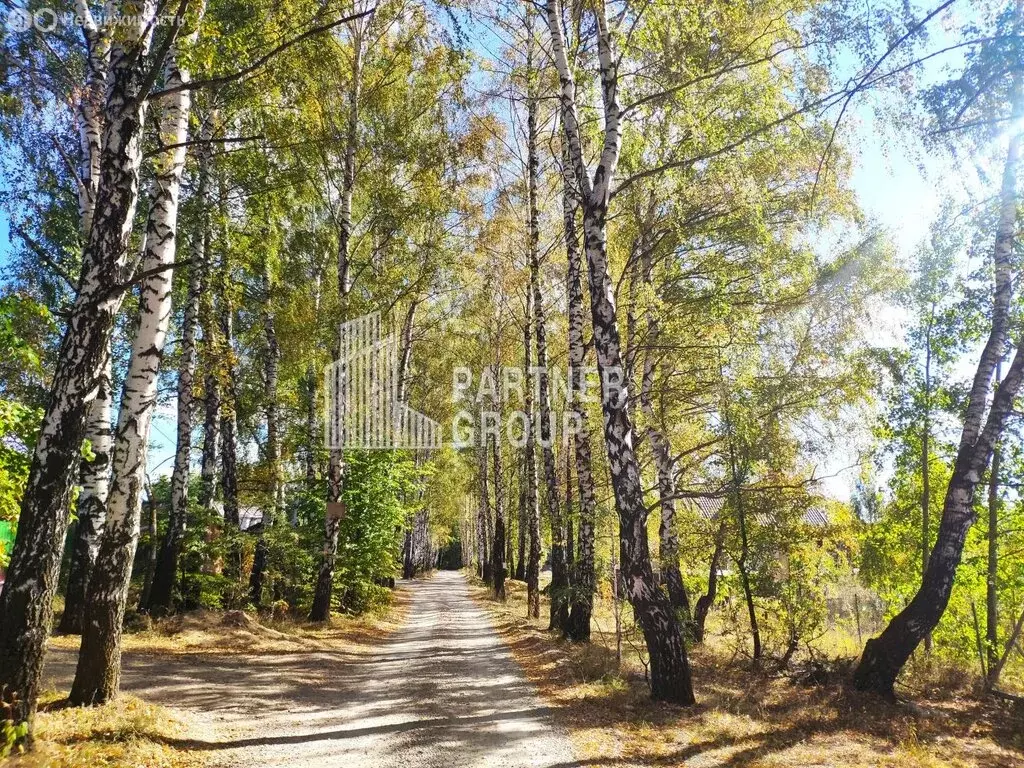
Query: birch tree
92, 504
559, 587
668, 537
26, 601
996, 90
584, 581
107, 270
95, 473
498, 571
531, 498
97, 678
483, 513
228, 369
275, 490
170, 548
670, 669
358, 29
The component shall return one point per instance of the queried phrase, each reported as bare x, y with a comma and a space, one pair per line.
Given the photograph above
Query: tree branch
139, 277
242, 73
44, 257
863, 81
158, 60
192, 142
67, 161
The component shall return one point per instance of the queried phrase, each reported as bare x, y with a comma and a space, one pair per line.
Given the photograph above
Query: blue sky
5, 243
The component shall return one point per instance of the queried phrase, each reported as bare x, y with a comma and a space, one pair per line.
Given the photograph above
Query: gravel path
441, 691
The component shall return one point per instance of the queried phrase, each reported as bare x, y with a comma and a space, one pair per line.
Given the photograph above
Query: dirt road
441, 691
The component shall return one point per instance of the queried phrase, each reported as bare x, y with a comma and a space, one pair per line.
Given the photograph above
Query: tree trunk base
161, 594
577, 629
670, 670
71, 621
259, 567
876, 673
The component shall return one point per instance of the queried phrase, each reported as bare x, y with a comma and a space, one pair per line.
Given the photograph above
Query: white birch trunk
585, 580
275, 501
97, 678
530, 468
92, 505
483, 540
95, 474
668, 537
170, 550
670, 671
228, 393
530, 453
26, 602
323, 588
89, 114
498, 570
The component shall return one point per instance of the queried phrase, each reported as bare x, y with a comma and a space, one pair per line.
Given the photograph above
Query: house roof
249, 517
816, 516
710, 508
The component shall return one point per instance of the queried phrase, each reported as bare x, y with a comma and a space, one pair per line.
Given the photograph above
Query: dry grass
747, 718
130, 733
125, 733
220, 632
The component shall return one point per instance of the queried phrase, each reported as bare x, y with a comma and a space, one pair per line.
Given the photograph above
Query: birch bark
521, 527
275, 498
26, 602
211, 406
530, 468
668, 538
160, 598
585, 580
97, 677
336, 464
229, 396
483, 513
498, 545
92, 505
95, 474
559, 586
670, 669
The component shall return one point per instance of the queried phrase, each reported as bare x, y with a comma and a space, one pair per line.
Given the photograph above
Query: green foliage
24, 324
801, 568
216, 561
19, 425
11, 735
376, 486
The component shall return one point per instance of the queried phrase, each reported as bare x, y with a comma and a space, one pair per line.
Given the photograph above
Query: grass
131, 733
126, 732
746, 717
220, 632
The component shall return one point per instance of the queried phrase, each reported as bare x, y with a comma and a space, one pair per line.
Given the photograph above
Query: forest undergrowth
133, 732
802, 716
